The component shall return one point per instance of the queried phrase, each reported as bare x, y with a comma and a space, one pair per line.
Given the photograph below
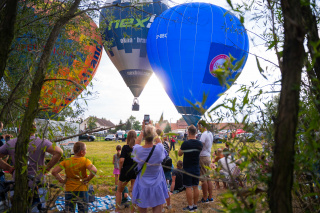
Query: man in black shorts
190, 150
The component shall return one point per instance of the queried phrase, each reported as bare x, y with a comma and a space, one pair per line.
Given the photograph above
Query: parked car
67, 148
87, 137
120, 135
110, 137
217, 138
248, 137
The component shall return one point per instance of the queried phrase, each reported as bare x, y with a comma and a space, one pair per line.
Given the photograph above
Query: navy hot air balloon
186, 44
125, 31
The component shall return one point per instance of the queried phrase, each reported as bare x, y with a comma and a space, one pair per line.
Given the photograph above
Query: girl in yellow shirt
76, 178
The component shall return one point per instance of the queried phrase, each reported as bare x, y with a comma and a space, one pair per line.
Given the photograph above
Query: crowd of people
144, 161
75, 179
153, 187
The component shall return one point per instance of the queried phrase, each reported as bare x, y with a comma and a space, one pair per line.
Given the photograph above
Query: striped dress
166, 146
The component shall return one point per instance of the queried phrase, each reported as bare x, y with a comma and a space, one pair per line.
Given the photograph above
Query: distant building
100, 123
227, 126
182, 125
161, 126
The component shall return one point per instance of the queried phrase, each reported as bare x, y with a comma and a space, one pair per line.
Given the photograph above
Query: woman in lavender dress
150, 188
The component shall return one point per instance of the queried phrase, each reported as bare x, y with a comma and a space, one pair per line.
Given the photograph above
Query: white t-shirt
223, 165
206, 139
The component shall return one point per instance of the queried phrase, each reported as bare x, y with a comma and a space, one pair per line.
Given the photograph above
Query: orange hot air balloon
73, 63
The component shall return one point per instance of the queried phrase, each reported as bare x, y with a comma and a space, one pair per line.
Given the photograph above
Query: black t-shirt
192, 149
179, 179
126, 154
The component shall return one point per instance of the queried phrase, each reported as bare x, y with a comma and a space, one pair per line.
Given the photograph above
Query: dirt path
178, 201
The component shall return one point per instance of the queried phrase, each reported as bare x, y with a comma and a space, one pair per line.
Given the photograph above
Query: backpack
167, 161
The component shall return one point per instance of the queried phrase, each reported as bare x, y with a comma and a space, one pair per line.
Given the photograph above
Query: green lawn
101, 154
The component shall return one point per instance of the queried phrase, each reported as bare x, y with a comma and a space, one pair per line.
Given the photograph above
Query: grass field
101, 154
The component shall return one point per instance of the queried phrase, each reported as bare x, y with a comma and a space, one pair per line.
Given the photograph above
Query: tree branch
85, 132
61, 79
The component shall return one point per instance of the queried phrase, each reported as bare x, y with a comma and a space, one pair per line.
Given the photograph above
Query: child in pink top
115, 161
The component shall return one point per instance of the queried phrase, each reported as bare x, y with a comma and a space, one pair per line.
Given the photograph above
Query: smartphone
146, 119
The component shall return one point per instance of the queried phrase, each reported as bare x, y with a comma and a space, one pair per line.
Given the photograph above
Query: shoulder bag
136, 170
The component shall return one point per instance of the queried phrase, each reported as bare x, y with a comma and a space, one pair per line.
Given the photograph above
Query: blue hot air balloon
125, 30
186, 44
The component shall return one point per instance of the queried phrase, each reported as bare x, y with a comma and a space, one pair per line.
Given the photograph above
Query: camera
146, 119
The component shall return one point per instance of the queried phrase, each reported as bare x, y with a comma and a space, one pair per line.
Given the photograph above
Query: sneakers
166, 207
204, 201
188, 209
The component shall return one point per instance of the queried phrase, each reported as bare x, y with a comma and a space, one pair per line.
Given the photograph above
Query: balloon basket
135, 105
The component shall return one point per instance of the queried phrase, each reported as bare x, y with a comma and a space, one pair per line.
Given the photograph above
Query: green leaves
241, 19
239, 64
260, 68
176, 153
230, 3
24, 165
143, 170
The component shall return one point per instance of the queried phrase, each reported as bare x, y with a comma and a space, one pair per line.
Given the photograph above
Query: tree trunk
280, 197
20, 197
7, 32
310, 23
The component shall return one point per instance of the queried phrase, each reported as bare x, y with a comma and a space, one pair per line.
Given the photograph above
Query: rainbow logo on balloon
217, 63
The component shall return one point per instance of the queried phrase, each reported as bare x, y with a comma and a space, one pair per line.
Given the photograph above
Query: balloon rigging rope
117, 58
194, 53
181, 71
123, 45
202, 84
175, 87
132, 10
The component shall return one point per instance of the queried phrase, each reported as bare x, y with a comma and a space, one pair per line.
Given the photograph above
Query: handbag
136, 170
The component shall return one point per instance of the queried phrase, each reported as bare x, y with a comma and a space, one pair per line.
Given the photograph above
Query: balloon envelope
186, 44
73, 63
125, 31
